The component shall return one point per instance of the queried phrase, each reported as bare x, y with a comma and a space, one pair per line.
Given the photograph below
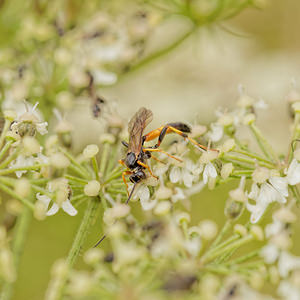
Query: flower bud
233, 209
208, 229
31, 145
260, 174
92, 188
208, 156
10, 115
163, 193
226, 170
240, 229
93, 256
249, 119
59, 160
22, 187
107, 138
257, 232
90, 151
228, 145
182, 217
162, 208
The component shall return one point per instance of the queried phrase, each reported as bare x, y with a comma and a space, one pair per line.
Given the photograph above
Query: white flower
293, 173
270, 253
144, 195
288, 291
216, 132
66, 205
179, 195
275, 191
188, 173
209, 171
21, 162
30, 116
287, 263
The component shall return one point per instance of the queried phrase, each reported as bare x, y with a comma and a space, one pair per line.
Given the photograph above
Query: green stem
263, 143
5, 148
20, 233
221, 234
295, 135
10, 192
4, 131
253, 155
104, 158
82, 233
243, 258
28, 168
10, 158
162, 52
211, 256
95, 167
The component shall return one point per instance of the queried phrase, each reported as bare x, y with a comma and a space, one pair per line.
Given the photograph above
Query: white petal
270, 253
274, 228
178, 196
187, 178
42, 127
256, 211
209, 171
53, 210
269, 194
175, 174
144, 195
69, 208
293, 173
105, 77
280, 184
254, 192
288, 291
216, 132
44, 199
287, 262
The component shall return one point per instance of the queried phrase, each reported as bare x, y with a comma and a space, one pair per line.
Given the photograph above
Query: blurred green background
191, 82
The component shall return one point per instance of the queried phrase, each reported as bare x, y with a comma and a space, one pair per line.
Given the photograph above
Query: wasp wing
136, 128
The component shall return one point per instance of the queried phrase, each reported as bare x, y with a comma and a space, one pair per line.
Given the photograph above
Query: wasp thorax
130, 160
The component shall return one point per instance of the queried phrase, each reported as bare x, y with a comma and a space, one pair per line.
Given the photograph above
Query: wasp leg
179, 128
124, 179
155, 158
159, 150
125, 144
147, 167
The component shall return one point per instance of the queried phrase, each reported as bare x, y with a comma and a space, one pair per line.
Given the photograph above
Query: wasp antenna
100, 241
131, 193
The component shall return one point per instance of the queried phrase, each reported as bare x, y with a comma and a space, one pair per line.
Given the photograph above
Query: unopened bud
208, 156
257, 232
93, 256
228, 145
208, 229
233, 209
92, 188
31, 145
226, 170
22, 187
162, 208
260, 174
249, 119
59, 160
90, 151
107, 138
240, 229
